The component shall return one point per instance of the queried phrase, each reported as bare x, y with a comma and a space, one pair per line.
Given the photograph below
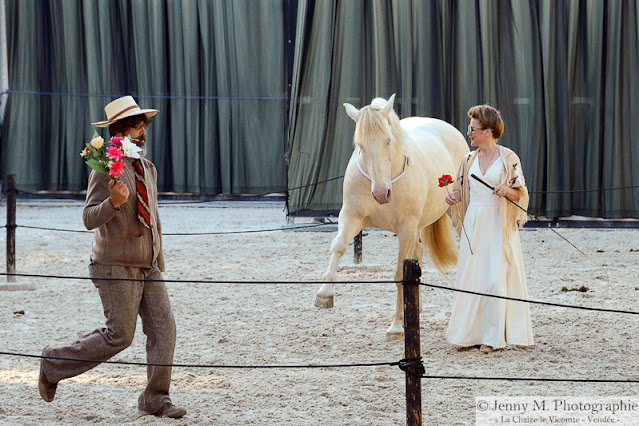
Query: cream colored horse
391, 183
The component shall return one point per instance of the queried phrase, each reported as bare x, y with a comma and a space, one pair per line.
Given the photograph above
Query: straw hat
121, 108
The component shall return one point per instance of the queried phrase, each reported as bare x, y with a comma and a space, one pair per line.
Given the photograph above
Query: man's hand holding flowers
118, 193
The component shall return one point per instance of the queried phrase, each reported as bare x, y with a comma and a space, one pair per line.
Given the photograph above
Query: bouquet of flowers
105, 159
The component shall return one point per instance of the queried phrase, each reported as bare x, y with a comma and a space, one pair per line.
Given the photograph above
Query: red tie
143, 196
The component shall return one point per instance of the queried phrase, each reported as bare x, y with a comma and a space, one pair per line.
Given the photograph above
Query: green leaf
97, 166
94, 152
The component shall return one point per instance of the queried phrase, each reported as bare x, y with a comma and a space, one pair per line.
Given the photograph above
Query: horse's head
377, 134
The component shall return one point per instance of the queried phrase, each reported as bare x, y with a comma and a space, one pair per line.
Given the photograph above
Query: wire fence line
361, 364
250, 231
402, 364
532, 379
239, 282
253, 282
536, 302
55, 229
575, 191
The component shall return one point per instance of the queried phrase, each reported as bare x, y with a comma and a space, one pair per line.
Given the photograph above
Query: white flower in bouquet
130, 149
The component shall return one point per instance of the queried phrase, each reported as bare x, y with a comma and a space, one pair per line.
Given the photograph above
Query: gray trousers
122, 302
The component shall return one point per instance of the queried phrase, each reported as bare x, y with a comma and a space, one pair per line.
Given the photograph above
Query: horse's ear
352, 111
389, 105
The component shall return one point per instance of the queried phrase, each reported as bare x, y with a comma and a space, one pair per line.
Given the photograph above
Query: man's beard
141, 143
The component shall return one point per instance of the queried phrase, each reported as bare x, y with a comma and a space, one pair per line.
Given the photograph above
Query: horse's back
435, 130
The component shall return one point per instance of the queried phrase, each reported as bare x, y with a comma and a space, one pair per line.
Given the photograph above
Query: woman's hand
453, 198
506, 191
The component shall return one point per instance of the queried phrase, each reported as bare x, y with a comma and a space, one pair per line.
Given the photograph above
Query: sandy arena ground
279, 325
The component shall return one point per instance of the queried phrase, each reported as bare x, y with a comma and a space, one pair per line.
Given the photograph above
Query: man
128, 244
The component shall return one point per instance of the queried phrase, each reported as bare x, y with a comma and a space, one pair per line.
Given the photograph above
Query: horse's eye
388, 141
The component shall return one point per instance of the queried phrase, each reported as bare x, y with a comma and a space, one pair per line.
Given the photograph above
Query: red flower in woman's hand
445, 180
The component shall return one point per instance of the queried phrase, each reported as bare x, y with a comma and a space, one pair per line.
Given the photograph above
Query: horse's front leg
419, 255
347, 228
408, 249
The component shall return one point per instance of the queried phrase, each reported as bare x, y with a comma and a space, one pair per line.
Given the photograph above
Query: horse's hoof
324, 301
394, 335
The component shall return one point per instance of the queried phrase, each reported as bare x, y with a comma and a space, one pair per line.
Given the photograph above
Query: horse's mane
371, 123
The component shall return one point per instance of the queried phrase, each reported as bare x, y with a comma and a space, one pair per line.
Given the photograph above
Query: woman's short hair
121, 126
489, 118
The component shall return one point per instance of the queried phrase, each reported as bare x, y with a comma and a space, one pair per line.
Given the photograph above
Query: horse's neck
399, 156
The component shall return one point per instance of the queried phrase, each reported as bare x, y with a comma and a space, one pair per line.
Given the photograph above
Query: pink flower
116, 141
114, 153
115, 168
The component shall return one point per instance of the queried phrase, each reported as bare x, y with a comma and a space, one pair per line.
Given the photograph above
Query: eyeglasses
471, 129
141, 126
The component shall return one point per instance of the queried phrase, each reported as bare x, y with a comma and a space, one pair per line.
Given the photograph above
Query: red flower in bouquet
115, 168
114, 153
116, 141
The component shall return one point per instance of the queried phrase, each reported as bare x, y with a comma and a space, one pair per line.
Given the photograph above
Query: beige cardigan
120, 238
511, 215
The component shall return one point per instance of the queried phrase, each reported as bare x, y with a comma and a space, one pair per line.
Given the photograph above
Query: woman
494, 265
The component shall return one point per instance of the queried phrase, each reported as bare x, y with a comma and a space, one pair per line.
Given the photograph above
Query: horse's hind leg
347, 228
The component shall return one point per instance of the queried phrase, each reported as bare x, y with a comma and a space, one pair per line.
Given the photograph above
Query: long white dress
476, 319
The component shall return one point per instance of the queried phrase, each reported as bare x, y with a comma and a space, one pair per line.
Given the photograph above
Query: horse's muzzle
381, 197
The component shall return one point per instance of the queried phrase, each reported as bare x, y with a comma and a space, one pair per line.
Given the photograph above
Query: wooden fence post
357, 248
412, 351
11, 227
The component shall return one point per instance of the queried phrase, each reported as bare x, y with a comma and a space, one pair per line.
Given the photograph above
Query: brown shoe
46, 388
171, 411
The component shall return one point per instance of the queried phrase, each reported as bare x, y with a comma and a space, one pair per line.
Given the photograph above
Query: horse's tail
439, 241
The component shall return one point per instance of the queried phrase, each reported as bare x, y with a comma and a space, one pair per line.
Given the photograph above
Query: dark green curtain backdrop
563, 73
201, 63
